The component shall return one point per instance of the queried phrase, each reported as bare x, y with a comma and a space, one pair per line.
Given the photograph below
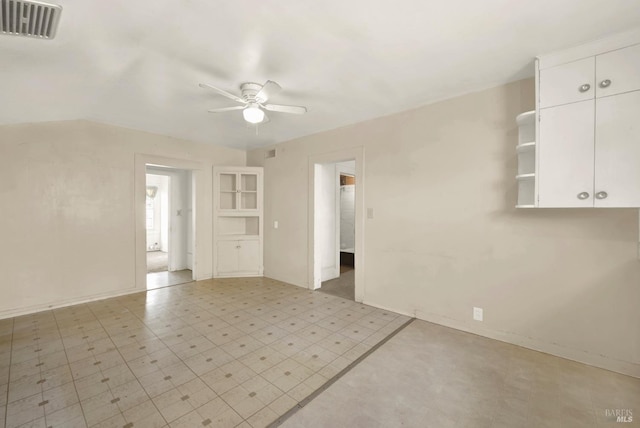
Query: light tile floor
233, 352
165, 278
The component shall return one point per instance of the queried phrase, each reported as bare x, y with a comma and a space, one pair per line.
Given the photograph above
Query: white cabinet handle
601, 195
583, 195
605, 83
585, 87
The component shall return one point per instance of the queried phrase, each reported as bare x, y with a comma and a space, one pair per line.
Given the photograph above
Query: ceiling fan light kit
254, 97
253, 114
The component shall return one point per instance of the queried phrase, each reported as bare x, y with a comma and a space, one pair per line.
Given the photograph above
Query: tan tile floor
236, 352
434, 376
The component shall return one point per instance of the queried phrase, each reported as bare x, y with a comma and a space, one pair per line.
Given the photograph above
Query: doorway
336, 227
336, 207
169, 208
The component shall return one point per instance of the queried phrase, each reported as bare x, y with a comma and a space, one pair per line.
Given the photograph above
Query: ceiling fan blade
223, 93
268, 89
223, 109
285, 109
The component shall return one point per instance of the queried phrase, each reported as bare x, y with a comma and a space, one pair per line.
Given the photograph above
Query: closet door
617, 151
566, 150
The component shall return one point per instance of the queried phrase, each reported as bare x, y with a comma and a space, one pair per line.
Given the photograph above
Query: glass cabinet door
248, 191
228, 191
238, 191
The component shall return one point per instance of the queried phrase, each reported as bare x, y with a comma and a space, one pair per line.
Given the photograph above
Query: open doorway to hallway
169, 226
335, 188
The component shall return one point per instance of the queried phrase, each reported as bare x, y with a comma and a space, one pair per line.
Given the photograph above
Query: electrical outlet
275, 224
478, 314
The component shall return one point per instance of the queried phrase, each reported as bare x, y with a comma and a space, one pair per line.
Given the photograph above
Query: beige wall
67, 227
446, 237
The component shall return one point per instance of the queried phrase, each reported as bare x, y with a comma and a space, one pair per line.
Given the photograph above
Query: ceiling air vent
29, 18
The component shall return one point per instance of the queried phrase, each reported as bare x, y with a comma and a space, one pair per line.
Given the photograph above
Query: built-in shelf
530, 176
526, 118
526, 152
238, 224
526, 147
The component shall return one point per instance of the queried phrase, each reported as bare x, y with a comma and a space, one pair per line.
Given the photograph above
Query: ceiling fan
253, 99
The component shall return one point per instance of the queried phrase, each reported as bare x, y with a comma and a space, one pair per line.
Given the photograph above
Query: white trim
536, 161
10, 313
596, 47
386, 308
313, 265
601, 361
335, 269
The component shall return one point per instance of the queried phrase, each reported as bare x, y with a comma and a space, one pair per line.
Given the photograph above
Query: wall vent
29, 18
270, 154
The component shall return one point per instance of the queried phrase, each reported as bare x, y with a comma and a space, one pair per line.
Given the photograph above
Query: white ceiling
137, 63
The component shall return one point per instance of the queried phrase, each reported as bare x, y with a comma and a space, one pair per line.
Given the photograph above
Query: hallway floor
343, 286
157, 261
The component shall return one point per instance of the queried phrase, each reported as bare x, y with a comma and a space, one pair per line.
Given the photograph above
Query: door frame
314, 266
199, 179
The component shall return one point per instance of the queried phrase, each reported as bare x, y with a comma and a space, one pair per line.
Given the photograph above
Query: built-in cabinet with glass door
238, 223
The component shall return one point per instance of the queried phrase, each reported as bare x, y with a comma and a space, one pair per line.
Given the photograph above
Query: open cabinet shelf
526, 152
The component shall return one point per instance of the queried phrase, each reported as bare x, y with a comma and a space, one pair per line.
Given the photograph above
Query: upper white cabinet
618, 71
588, 136
601, 75
567, 83
565, 169
617, 151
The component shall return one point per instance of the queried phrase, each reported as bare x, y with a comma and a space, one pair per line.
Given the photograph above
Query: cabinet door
227, 257
617, 155
249, 256
565, 83
227, 191
618, 71
566, 155
248, 191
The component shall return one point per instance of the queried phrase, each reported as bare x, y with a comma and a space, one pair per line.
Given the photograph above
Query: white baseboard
601, 361
10, 313
386, 308
285, 280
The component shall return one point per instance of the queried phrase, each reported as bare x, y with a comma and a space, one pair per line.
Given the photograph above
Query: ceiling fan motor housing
249, 92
